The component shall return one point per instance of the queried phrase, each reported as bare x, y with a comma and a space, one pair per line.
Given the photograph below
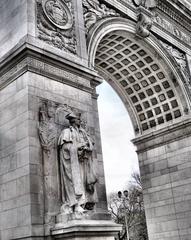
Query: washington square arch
53, 54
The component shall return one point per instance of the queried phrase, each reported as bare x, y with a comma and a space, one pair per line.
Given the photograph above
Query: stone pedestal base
86, 230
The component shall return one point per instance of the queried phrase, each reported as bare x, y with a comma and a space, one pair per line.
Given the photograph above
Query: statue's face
51, 111
75, 121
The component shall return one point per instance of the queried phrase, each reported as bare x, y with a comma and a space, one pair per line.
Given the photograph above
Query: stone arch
141, 71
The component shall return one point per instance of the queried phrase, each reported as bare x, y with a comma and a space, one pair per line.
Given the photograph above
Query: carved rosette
55, 24
94, 11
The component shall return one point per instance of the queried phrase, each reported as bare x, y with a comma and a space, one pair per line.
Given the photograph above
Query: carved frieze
55, 23
94, 10
47, 69
172, 28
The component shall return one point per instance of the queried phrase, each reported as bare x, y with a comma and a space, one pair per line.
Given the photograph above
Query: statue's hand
81, 146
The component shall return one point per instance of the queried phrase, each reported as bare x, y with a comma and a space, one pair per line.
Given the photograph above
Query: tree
127, 208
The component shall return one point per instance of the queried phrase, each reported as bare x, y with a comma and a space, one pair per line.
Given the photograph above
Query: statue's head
51, 108
74, 118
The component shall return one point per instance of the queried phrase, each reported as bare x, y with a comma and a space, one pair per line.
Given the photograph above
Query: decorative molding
55, 24
163, 136
172, 28
167, 8
94, 10
29, 63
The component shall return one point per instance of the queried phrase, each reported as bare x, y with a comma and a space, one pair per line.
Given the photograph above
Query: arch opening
149, 88
116, 143
141, 79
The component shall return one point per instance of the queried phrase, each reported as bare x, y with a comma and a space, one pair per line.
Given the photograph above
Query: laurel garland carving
94, 10
55, 24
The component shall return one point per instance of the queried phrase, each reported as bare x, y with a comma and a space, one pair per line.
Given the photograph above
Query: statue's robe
76, 167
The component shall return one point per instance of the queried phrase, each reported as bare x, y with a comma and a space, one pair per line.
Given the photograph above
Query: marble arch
51, 59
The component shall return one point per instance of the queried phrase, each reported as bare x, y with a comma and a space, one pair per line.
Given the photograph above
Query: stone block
9, 190
86, 230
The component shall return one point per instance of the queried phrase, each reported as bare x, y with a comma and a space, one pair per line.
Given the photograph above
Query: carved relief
144, 16
55, 24
147, 4
144, 23
58, 13
68, 167
47, 128
48, 133
94, 10
180, 58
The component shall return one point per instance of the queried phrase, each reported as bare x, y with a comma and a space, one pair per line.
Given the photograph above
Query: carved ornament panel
58, 13
94, 10
55, 24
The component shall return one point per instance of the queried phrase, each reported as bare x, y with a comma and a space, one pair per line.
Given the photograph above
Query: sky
120, 159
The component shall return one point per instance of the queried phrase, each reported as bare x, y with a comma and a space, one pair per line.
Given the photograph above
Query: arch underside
143, 79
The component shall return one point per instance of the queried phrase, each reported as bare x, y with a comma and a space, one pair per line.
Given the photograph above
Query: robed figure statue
76, 167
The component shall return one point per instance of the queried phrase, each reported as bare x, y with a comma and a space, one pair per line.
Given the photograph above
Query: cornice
27, 58
171, 133
177, 12
176, 20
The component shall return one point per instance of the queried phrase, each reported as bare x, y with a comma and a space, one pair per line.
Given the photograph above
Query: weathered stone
47, 58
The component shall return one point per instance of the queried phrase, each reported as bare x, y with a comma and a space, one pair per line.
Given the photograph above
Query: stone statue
76, 167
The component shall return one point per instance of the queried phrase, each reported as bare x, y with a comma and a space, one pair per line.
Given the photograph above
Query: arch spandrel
142, 73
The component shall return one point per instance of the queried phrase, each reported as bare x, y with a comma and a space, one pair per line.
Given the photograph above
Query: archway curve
141, 71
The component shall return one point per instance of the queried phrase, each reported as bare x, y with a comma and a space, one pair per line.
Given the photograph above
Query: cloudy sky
119, 155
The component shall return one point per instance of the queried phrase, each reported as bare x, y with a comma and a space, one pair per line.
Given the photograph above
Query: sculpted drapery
76, 167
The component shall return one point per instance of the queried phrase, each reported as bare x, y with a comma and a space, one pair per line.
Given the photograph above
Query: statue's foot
79, 209
66, 209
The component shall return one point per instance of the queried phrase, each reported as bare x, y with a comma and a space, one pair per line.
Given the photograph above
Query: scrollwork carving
94, 10
55, 24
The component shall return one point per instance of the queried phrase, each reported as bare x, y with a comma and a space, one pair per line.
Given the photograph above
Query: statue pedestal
86, 230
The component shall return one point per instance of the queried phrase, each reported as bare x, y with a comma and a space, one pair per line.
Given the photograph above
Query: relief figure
48, 133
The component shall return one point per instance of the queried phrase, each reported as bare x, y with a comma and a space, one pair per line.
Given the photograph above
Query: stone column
164, 158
